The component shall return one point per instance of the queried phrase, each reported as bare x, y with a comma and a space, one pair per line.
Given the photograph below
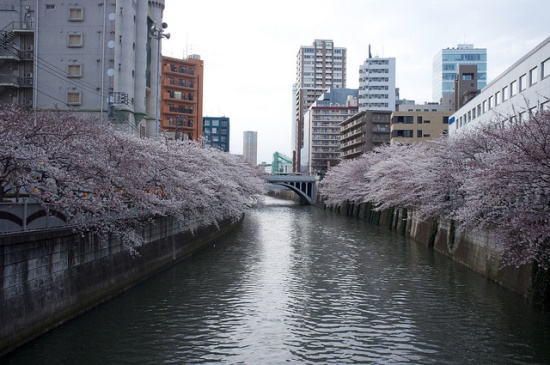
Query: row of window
215, 122
508, 91
409, 119
182, 69
184, 83
75, 13
181, 96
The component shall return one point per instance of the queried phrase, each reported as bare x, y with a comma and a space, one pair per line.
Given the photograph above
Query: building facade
363, 132
181, 100
418, 126
216, 132
250, 147
445, 67
322, 127
93, 59
319, 67
377, 89
520, 91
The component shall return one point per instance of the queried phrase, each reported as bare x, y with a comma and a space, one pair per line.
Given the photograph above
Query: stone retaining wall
48, 277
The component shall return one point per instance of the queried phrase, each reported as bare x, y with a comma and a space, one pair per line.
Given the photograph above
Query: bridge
304, 186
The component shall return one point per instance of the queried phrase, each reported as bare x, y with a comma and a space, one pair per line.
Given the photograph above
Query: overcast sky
249, 48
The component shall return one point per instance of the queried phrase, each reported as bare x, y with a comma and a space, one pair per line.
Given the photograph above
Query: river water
297, 285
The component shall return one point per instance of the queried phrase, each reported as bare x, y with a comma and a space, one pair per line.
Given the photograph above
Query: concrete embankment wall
49, 277
471, 249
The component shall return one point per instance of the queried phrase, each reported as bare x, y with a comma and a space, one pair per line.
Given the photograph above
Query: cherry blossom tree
109, 181
496, 177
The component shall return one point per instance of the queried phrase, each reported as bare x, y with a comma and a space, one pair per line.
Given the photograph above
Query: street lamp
158, 34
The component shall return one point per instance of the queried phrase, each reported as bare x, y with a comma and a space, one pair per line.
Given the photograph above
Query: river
295, 284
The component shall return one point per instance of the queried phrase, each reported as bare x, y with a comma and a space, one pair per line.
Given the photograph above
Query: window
419, 133
467, 76
445, 120
497, 98
546, 68
73, 98
75, 14
533, 76
404, 133
484, 106
75, 70
75, 40
182, 69
490, 102
50, 6
505, 93
171, 80
523, 82
426, 122
513, 88
419, 119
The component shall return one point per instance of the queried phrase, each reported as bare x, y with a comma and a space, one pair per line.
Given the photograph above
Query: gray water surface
296, 285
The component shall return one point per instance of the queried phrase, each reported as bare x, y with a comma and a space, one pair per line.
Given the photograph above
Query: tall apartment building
322, 128
92, 57
445, 67
519, 92
250, 147
377, 89
319, 67
363, 132
181, 97
216, 132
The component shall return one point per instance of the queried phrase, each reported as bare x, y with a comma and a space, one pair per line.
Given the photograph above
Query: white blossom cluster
495, 178
109, 181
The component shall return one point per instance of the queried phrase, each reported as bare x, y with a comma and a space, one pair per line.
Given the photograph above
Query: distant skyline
249, 48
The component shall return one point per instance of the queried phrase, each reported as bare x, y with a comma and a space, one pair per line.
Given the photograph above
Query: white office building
520, 91
377, 89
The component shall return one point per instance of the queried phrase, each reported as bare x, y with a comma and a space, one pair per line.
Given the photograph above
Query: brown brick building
181, 100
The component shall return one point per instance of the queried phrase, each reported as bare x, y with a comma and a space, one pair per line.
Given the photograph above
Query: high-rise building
319, 67
250, 147
445, 67
92, 59
322, 128
377, 84
181, 100
215, 132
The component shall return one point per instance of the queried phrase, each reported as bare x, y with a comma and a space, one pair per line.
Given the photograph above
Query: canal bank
471, 249
49, 277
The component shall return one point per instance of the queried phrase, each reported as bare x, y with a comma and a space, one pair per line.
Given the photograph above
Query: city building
422, 124
465, 85
322, 128
250, 147
363, 132
319, 67
215, 132
445, 67
520, 91
181, 100
377, 89
97, 58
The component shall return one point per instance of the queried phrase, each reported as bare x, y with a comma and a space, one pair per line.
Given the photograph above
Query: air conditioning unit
29, 74
29, 48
